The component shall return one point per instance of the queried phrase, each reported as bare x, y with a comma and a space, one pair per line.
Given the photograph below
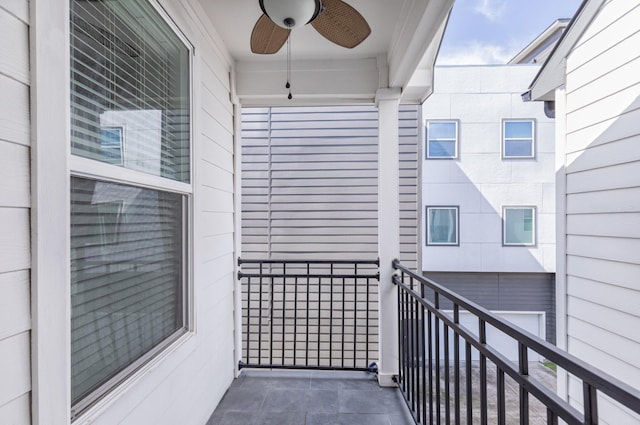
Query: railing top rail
297, 261
620, 391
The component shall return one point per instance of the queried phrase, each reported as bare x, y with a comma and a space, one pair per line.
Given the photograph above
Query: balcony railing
441, 380
299, 314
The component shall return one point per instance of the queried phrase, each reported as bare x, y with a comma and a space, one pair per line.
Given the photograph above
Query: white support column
388, 101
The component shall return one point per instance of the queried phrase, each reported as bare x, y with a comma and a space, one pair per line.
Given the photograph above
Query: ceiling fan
333, 19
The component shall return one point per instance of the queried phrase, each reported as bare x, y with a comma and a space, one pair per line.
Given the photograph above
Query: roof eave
552, 74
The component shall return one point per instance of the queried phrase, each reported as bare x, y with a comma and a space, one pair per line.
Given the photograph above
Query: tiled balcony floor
310, 398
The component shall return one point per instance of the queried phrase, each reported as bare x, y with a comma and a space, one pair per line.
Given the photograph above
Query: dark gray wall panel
506, 292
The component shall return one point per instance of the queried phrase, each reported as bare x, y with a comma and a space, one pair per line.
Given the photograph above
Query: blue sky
493, 31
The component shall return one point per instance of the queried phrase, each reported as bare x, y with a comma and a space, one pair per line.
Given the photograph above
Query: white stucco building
488, 192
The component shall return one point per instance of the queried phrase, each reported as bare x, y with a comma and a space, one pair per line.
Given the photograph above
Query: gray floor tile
339, 381
347, 419
234, 418
282, 418
322, 401
403, 418
243, 399
285, 401
308, 398
366, 401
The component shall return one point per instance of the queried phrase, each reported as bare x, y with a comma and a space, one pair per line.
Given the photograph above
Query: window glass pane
518, 148
442, 130
111, 142
127, 277
129, 70
444, 149
442, 228
518, 129
519, 226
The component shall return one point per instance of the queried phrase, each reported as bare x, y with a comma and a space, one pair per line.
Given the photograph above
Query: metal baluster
502, 417
295, 321
469, 383
284, 307
523, 359
247, 359
423, 346
430, 339
355, 315
456, 360
590, 395
306, 350
482, 325
437, 349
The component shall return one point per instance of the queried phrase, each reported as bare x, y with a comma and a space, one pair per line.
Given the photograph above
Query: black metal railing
309, 314
448, 379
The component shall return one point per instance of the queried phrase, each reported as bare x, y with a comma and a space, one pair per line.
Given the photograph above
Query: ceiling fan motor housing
291, 14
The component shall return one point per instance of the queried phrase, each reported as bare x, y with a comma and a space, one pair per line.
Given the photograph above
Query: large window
518, 139
130, 191
519, 225
442, 226
442, 139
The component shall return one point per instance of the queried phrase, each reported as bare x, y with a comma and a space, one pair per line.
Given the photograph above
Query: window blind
129, 70
127, 263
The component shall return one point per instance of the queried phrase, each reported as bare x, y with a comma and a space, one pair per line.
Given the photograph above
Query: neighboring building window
518, 139
519, 225
130, 191
111, 143
442, 226
442, 139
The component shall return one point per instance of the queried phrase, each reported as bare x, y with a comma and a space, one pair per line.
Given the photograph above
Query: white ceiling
234, 21
399, 54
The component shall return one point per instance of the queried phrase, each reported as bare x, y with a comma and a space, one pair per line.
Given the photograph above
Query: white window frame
427, 227
456, 141
504, 224
52, 167
504, 138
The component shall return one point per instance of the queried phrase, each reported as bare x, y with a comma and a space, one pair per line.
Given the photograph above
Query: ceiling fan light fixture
291, 14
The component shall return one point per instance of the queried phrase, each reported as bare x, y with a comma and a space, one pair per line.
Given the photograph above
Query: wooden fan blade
267, 37
341, 24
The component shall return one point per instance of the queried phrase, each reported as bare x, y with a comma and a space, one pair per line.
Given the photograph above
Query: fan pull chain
288, 85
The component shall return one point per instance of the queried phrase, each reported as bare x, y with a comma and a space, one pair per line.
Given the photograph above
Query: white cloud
491, 9
477, 54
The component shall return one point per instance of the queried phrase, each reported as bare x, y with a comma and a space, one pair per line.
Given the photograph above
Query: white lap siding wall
603, 198
15, 259
186, 384
310, 183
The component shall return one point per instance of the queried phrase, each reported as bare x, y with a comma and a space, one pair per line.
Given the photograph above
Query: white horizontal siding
14, 175
410, 154
15, 314
17, 411
14, 43
15, 373
14, 110
15, 202
309, 182
613, 273
603, 199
